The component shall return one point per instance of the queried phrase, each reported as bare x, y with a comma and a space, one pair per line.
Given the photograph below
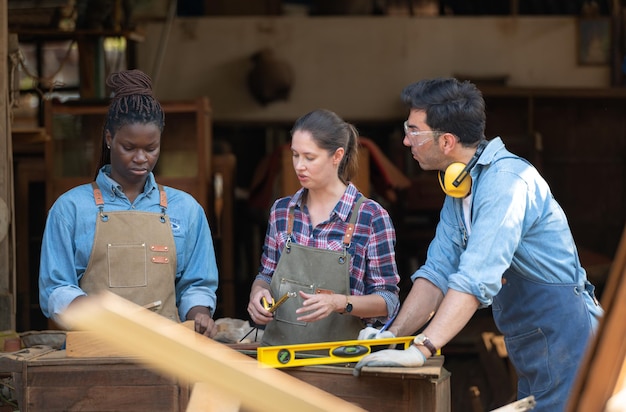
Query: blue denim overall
546, 329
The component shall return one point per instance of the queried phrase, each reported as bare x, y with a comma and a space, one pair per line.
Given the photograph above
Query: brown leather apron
134, 256
311, 270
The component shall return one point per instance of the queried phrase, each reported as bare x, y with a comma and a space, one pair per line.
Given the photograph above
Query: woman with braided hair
124, 232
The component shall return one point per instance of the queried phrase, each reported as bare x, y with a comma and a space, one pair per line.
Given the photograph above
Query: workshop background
237, 73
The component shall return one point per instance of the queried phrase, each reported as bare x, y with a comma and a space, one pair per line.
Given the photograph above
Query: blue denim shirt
69, 235
516, 224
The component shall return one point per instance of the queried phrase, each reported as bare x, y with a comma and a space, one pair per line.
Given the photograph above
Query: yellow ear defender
455, 181
447, 180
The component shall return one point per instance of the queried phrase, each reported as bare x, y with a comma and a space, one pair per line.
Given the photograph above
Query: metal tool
153, 306
272, 306
337, 352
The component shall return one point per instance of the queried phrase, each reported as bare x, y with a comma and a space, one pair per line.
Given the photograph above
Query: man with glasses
502, 241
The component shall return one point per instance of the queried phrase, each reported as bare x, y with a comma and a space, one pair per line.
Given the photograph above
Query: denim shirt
69, 236
516, 224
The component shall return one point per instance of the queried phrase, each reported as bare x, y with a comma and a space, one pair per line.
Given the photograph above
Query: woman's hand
319, 306
258, 313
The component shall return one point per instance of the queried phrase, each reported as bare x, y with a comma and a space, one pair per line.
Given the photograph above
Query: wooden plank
177, 351
206, 398
601, 374
7, 237
86, 344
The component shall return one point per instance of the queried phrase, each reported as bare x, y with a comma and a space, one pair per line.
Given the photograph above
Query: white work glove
373, 333
411, 357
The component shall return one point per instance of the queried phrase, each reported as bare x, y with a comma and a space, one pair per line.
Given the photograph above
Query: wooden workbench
384, 389
47, 380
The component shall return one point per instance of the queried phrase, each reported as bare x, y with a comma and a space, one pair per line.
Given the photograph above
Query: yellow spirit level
331, 352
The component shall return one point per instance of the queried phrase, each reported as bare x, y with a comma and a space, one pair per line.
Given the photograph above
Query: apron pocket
529, 354
127, 265
287, 311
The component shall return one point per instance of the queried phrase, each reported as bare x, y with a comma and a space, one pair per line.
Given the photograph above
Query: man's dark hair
451, 106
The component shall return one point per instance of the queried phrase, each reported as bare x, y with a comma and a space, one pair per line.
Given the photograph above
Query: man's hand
203, 322
373, 333
411, 357
205, 325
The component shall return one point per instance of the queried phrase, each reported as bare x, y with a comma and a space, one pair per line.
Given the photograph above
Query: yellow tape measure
272, 306
331, 352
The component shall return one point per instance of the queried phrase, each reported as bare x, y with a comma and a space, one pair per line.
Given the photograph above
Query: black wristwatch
422, 340
348, 308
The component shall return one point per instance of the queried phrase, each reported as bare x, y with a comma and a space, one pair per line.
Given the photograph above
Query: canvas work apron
547, 353
134, 256
312, 270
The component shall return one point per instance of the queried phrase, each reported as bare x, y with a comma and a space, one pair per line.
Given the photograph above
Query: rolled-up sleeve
381, 273
58, 275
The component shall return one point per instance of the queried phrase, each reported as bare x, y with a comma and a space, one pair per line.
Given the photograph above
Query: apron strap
97, 195
162, 197
290, 221
162, 202
347, 237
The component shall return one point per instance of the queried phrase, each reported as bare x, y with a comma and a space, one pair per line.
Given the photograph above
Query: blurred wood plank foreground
603, 373
178, 351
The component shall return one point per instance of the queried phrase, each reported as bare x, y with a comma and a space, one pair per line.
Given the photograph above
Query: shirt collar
110, 188
343, 207
490, 152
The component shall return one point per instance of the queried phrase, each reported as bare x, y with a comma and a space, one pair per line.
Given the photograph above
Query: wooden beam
86, 344
178, 351
601, 374
207, 398
7, 241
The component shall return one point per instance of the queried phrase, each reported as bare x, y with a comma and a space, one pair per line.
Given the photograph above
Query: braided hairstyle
132, 103
330, 132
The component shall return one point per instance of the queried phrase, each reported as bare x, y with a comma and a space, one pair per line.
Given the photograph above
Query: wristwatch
422, 340
348, 308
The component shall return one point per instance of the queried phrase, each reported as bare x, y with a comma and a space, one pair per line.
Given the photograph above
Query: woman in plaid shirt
327, 247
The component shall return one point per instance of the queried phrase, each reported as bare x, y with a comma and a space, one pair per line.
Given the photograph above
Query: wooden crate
49, 382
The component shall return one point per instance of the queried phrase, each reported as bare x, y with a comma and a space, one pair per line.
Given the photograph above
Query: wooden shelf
72, 152
51, 35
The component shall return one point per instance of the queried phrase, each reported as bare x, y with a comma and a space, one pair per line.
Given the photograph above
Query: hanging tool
218, 187
337, 352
